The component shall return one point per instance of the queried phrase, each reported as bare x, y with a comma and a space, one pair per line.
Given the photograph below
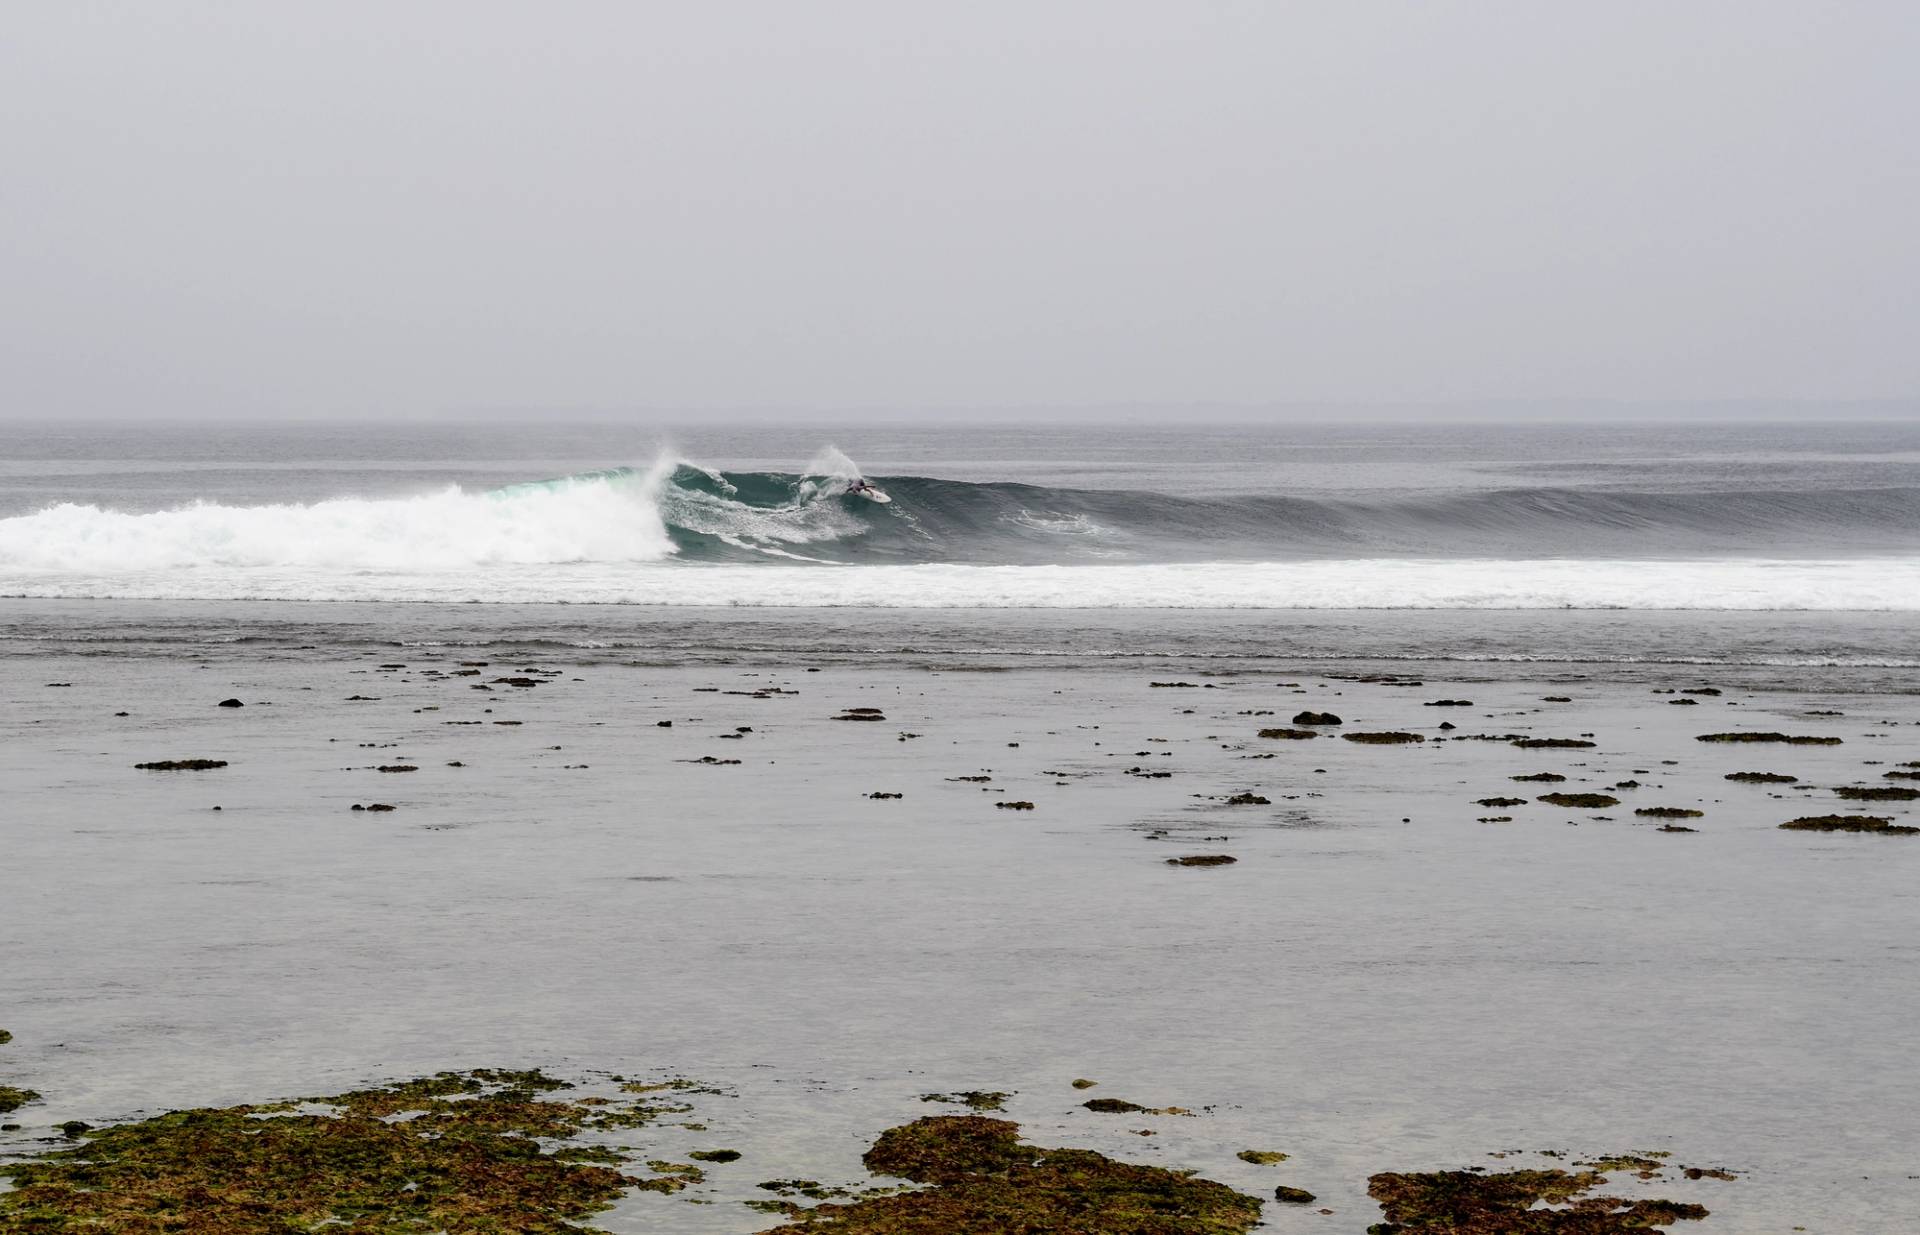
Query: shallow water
1365, 993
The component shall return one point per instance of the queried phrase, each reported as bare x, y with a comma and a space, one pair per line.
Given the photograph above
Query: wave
681, 533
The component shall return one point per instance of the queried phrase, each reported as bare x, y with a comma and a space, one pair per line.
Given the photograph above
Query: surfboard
871, 493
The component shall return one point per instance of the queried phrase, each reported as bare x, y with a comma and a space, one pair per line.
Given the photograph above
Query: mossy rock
1291, 735
1783, 738
1762, 778
12, 1099
1580, 801
180, 765
715, 1155
1254, 799
1499, 802
1669, 812
1388, 738
1261, 1157
1848, 823
1876, 793
1293, 1196
972, 1099
1544, 778
472, 1156
1472, 1203
984, 1181
5, 1037
1203, 859
1553, 743
1317, 718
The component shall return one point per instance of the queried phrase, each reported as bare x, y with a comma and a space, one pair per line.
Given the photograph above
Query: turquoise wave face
764, 516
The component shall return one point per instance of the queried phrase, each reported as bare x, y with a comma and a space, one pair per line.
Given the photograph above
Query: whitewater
678, 533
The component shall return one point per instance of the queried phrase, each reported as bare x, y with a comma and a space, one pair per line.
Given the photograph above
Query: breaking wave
677, 533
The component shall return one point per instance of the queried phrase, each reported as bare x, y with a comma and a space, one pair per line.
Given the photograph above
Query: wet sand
577, 876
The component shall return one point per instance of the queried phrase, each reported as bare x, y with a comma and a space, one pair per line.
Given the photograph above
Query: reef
180, 765
1389, 738
1848, 823
476, 1151
1580, 801
1545, 778
12, 1099
1472, 1203
1289, 734
1498, 802
1553, 743
1788, 739
1762, 778
1669, 812
1876, 793
1316, 718
1261, 1157
1293, 1196
1013, 805
982, 1180
972, 1099
1254, 799
1203, 859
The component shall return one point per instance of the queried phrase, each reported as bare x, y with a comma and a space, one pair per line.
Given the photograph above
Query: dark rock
1254, 799
1388, 738
181, 765
230, 703
1203, 859
1293, 1196
1316, 718
1790, 740
1580, 801
1848, 823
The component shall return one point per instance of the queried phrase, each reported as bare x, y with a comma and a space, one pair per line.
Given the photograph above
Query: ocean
1398, 799
1768, 544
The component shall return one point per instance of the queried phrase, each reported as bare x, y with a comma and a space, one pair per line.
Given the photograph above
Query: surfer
858, 487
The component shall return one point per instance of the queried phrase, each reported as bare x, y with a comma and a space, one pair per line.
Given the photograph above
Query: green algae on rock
1288, 734
972, 1099
457, 1151
1552, 743
1580, 801
1669, 812
180, 765
1499, 802
1203, 859
1472, 1203
1762, 778
1388, 738
12, 1099
1788, 739
984, 1181
1293, 1196
1876, 793
1261, 1157
1548, 778
1848, 823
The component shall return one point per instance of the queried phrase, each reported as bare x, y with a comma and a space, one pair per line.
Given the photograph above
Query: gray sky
389, 208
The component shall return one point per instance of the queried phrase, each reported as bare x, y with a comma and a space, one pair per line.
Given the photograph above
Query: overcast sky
403, 208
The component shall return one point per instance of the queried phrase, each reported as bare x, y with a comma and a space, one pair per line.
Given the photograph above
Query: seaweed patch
456, 1151
984, 1181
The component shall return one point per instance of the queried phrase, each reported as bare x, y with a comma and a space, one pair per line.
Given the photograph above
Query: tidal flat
799, 941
